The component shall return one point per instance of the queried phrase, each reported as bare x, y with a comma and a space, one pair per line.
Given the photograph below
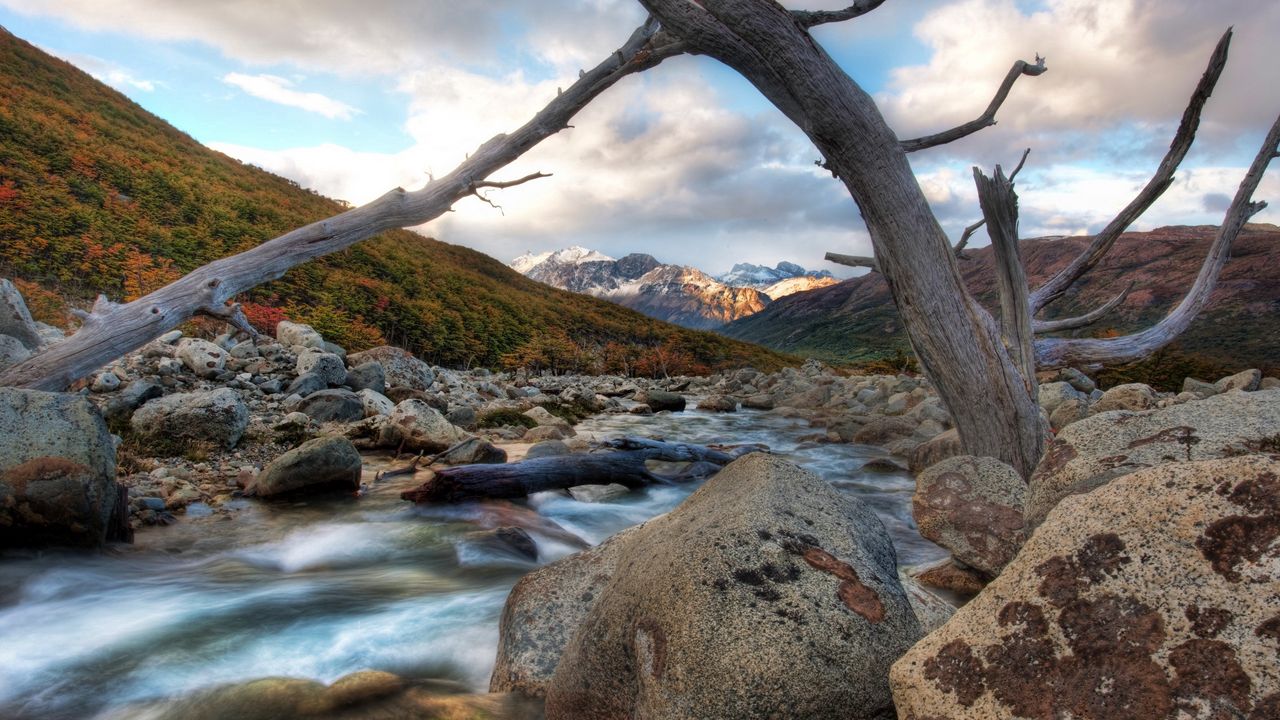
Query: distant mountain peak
573, 255
761, 276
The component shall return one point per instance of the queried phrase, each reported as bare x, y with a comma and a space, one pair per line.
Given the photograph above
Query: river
322, 588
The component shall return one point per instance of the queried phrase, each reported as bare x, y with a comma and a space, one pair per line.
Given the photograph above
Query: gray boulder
216, 416
292, 334
765, 594
15, 319
1247, 381
336, 405
718, 403
415, 425
1093, 451
547, 448
304, 385
202, 357
659, 400
972, 506
400, 367
12, 351
1131, 396
57, 472
367, 376
328, 366
326, 463
375, 403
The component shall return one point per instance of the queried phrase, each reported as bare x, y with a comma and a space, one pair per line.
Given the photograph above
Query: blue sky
685, 162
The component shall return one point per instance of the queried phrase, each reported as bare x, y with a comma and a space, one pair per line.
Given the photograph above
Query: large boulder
336, 405
217, 416
15, 319
201, 356
1131, 396
1157, 596
328, 366
367, 376
659, 400
399, 367
12, 351
1247, 380
291, 334
972, 506
940, 447
415, 425
57, 471
1091, 452
326, 463
765, 594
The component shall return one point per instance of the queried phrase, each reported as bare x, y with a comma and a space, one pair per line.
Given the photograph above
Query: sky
687, 162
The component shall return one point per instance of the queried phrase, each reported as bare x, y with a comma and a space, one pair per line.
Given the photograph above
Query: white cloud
105, 71
279, 90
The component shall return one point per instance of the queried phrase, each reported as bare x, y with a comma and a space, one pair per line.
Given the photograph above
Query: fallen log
623, 463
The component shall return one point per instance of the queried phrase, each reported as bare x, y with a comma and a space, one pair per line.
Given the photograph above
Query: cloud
105, 71
278, 90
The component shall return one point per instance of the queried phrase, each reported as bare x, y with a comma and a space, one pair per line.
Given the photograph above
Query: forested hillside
98, 195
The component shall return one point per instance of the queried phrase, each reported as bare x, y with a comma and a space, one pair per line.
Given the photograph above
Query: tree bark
956, 340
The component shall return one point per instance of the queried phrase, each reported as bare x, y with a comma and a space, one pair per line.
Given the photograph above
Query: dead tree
984, 370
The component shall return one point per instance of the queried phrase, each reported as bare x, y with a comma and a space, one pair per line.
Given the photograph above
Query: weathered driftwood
112, 330
620, 461
988, 116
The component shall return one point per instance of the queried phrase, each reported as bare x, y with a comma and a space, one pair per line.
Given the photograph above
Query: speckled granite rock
766, 594
972, 506
1092, 451
1157, 596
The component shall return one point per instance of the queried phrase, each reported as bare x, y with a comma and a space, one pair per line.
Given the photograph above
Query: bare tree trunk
956, 340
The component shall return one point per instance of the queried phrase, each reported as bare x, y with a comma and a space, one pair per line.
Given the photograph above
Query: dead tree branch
810, 18
1059, 352
112, 330
988, 116
1054, 287
964, 237
1000, 208
853, 261
1071, 323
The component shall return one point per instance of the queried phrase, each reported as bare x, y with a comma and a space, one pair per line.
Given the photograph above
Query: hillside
856, 321
98, 195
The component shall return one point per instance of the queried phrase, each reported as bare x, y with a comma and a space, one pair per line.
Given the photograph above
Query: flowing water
326, 587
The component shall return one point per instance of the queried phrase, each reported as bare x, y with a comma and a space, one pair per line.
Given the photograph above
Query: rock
882, 465
304, 385
121, 407
326, 463
1152, 597
418, 426
599, 493
641, 409
298, 335
216, 416
336, 405
57, 472
474, 451
12, 351
1269, 383
939, 448
400, 367
327, 366
763, 585
367, 376
951, 576
361, 687
202, 357
105, 382
375, 403
15, 319
543, 417
1078, 380
506, 540
1068, 412
758, 402
659, 400
1055, 394
542, 612
548, 432
169, 338
972, 506
1247, 381
547, 448
718, 403
1132, 396
884, 430
1199, 388
1091, 452
464, 417
932, 611
244, 350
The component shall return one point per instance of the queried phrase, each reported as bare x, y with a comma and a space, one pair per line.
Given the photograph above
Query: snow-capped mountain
675, 293
763, 278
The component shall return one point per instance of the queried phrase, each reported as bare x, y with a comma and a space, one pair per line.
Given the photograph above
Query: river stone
367, 376
326, 463
1056, 393
328, 366
120, 408
759, 401
718, 403
1199, 387
335, 405
659, 400
305, 384
1157, 596
598, 493
400, 367
542, 416
474, 451
548, 432
12, 351
202, 357
884, 430
1131, 396
766, 593
547, 448
951, 576
1069, 412
418, 426
1247, 380
215, 416
375, 403
544, 609
939, 448
15, 319
57, 471
1091, 452
292, 334
972, 506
